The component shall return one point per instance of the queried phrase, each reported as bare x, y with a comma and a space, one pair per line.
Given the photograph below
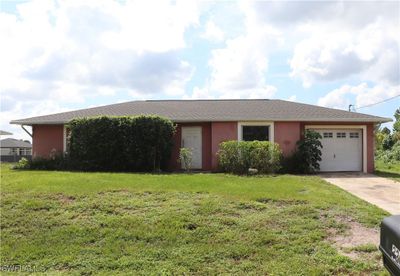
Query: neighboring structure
348, 137
2, 132
12, 150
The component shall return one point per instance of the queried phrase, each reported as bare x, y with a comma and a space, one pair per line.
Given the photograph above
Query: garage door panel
342, 150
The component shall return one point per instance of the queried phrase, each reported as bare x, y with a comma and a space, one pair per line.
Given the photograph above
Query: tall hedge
140, 143
238, 157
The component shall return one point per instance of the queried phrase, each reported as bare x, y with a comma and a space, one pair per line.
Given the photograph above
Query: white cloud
62, 53
55, 53
360, 95
352, 14
146, 26
213, 32
200, 93
335, 40
265, 92
26, 109
330, 41
369, 95
241, 65
239, 68
337, 98
292, 98
373, 53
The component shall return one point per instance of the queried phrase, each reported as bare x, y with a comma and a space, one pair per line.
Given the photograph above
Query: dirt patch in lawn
117, 191
65, 199
282, 202
355, 240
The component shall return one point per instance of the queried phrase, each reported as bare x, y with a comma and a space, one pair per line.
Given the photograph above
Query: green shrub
55, 162
238, 157
389, 156
396, 151
141, 143
290, 164
307, 155
23, 164
185, 158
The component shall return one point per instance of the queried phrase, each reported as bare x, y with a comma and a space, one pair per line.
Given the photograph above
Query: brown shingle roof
14, 143
212, 110
3, 132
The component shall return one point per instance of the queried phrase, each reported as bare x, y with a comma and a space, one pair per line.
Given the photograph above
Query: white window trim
270, 124
364, 137
64, 138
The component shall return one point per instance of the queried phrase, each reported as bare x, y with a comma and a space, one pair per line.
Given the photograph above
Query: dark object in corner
390, 244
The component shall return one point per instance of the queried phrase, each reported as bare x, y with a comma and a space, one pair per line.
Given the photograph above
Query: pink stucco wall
49, 137
46, 138
220, 132
370, 148
286, 134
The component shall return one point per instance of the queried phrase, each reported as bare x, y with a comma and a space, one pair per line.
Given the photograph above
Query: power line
368, 105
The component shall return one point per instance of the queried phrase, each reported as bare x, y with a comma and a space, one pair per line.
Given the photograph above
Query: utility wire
389, 99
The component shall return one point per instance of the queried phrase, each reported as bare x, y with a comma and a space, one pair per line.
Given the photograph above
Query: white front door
342, 150
191, 138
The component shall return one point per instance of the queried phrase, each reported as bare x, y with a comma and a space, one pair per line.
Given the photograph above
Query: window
354, 135
14, 151
25, 151
341, 135
252, 133
328, 135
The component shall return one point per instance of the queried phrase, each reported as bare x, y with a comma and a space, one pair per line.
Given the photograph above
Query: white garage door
342, 150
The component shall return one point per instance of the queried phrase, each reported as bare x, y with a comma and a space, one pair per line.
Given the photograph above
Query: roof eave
349, 120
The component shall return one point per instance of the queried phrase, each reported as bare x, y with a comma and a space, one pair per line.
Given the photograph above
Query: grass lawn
75, 223
388, 170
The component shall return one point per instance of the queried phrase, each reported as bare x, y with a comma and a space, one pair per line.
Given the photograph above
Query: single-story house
3, 132
12, 150
347, 137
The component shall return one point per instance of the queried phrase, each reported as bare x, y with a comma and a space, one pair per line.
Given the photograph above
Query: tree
386, 131
387, 142
384, 138
379, 137
396, 125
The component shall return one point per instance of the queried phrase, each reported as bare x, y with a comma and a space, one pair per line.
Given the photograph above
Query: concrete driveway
383, 192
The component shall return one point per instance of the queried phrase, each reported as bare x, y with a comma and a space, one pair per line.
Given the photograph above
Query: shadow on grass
395, 176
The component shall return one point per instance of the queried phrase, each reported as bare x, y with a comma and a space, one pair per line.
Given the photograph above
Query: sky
58, 56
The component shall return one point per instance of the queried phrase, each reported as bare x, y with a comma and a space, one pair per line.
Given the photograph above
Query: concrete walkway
383, 192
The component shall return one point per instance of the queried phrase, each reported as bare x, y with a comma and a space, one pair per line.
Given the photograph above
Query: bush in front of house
186, 158
56, 162
22, 164
39, 163
307, 155
140, 143
243, 157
